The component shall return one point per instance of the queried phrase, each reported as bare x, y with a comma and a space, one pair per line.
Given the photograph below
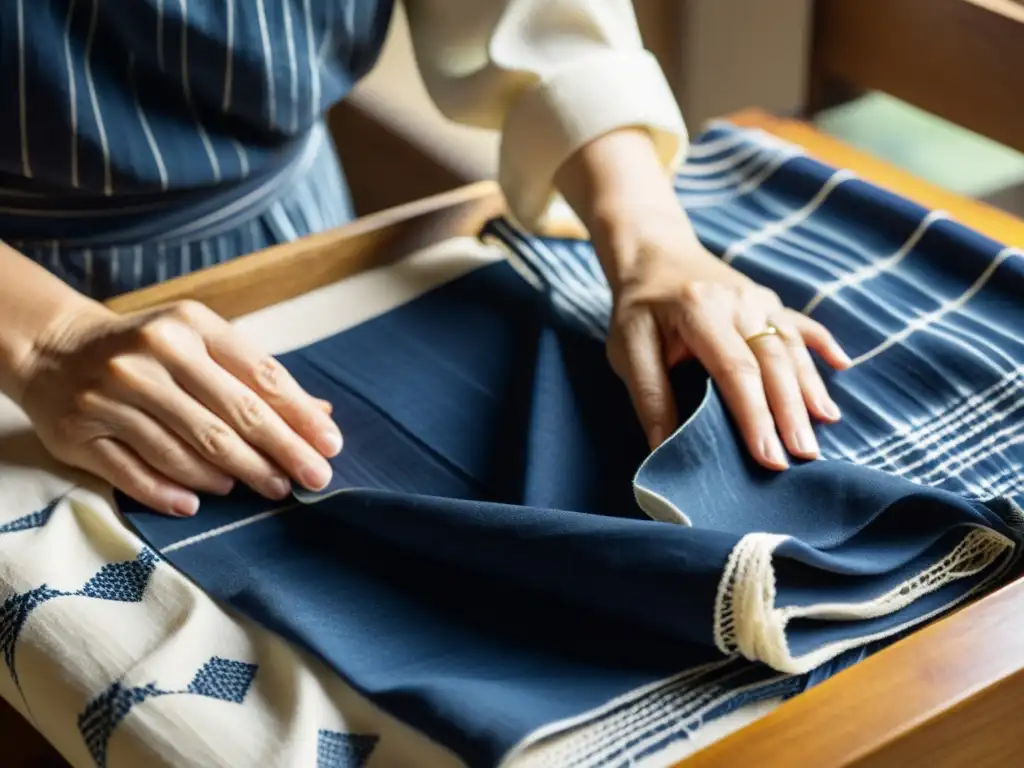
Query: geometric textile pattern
343, 750
36, 519
123, 582
218, 678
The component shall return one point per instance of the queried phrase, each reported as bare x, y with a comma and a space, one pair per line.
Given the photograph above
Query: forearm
31, 301
617, 185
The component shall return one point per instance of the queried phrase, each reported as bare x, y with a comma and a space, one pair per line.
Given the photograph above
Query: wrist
624, 196
27, 334
631, 237
17, 350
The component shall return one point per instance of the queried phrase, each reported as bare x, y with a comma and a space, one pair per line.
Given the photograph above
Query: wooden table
945, 697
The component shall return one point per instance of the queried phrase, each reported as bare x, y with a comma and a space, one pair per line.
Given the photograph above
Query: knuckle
171, 454
85, 401
268, 375
214, 440
739, 368
119, 369
793, 341
649, 397
156, 333
693, 305
142, 485
803, 326
700, 293
803, 363
249, 415
766, 297
773, 354
173, 336
188, 311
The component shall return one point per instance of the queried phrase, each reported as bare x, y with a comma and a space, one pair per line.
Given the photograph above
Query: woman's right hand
170, 401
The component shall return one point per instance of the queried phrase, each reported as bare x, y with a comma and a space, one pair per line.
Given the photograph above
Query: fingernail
329, 443
806, 443
278, 487
315, 476
844, 358
774, 453
184, 504
831, 410
224, 486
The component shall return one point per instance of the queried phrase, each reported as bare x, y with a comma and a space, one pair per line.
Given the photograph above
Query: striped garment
492, 568
929, 310
144, 140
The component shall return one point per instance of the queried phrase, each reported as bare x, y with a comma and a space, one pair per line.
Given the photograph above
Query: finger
183, 349
785, 397
164, 451
216, 442
271, 382
123, 469
727, 357
818, 338
815, 393
252, 419
642, 367
324, 406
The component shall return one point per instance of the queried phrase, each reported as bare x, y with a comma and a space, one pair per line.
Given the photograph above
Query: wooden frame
269, 277
959, 59
945, 697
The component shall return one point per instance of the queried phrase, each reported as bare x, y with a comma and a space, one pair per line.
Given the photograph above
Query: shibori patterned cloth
931, 311
501, 566
484, 584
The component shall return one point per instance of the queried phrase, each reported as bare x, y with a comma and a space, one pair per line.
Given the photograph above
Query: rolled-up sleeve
551, 75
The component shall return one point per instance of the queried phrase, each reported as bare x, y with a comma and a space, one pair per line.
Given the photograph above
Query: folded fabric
491, 566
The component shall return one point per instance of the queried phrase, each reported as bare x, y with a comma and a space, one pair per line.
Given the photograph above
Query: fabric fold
830, 550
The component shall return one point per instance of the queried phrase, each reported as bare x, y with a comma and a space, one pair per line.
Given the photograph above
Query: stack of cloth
501, 564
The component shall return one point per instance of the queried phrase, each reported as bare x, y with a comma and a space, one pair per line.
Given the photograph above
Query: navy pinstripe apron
146, 140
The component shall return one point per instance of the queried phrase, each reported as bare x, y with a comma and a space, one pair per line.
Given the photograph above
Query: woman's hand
673, 300
171, 401
679, 301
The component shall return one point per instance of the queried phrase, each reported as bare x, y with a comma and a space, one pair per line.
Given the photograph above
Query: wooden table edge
285, 271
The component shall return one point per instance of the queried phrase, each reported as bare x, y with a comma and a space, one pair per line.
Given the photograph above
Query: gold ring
768, 330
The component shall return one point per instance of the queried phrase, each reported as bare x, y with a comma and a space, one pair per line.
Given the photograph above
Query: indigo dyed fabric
125, 251
499, 559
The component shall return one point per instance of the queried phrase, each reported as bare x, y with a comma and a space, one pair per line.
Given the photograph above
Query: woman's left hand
674, 300
678, 301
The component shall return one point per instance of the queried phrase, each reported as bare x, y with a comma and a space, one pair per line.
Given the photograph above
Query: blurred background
914, 82
932, 148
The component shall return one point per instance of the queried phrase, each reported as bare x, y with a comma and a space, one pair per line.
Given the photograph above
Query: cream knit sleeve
551, 75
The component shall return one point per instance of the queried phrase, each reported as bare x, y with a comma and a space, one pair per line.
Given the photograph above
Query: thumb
636, 355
